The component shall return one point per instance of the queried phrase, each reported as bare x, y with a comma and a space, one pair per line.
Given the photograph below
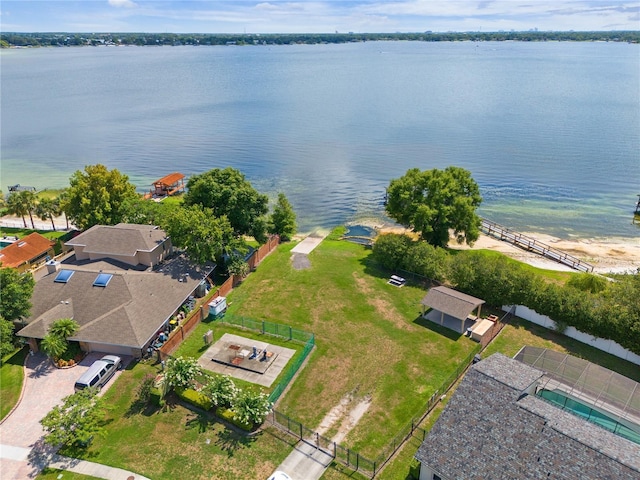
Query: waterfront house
123, 285
27, 252
500, 423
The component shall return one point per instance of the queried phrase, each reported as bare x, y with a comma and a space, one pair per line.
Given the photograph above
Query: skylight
63, 276
102, 280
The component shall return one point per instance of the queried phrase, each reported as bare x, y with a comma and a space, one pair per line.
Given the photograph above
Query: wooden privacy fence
183, 330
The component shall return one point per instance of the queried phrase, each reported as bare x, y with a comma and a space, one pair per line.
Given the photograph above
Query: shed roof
457, 304
492, 429
170, 179
24, 250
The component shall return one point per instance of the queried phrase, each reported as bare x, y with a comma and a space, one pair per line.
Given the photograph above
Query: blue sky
315, 16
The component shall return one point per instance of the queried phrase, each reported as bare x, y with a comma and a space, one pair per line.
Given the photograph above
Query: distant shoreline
65, 39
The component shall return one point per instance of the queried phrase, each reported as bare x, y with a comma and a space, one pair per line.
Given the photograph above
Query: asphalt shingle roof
490, 430
128, 311
457, 304
122, 239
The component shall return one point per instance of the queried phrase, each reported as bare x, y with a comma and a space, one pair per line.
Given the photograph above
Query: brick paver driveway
45, 386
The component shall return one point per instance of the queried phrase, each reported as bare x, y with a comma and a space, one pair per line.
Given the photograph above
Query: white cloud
122, 3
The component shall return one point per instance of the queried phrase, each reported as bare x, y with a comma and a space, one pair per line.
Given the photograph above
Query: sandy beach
614, 255
606, 255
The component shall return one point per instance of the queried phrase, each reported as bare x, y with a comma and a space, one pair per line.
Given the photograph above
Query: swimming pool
583, 410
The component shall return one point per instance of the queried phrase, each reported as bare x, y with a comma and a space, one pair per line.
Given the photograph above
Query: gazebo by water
450, 308
167, 185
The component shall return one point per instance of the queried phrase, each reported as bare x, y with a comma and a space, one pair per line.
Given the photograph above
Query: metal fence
282, 331
351, 458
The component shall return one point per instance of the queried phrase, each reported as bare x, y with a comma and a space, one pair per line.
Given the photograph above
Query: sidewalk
305, 462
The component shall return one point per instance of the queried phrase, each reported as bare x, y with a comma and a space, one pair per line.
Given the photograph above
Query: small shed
450, 308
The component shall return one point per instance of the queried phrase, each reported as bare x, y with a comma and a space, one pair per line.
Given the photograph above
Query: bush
414, 469
194, 398
155, 396
230, 416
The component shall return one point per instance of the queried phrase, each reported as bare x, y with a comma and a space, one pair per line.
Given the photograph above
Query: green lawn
55, 474
11, 379
176, 443
370, 340
370, 343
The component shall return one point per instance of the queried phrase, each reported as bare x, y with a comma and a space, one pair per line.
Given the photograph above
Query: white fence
608, 346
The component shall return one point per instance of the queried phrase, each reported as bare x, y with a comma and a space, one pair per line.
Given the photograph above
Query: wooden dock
531, 244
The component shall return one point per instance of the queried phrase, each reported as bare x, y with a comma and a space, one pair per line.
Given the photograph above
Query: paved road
23, 454
305, 462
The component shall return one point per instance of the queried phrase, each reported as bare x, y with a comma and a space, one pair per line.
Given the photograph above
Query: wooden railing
531, 244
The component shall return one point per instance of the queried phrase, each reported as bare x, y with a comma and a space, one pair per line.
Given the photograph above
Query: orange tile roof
24, 250
170, 179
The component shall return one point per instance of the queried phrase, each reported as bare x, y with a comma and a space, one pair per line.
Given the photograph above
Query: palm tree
48, 208
64, 328
62, 201
30, 201
53, 345
16, 206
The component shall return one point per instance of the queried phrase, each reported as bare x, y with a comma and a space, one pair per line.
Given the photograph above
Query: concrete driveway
22, 451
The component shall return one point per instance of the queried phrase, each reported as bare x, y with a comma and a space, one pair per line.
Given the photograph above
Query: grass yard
177, 443
194, 346
370, 341
11, 379
55, 474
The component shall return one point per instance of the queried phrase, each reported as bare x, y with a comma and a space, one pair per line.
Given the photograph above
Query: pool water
589, 413
4, 244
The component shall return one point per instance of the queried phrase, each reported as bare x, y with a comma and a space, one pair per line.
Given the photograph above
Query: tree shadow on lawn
229, 439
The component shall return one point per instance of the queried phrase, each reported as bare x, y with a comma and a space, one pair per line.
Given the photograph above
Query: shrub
251, 407
145, 387
221, 390
414, 469
182, 372
231, 417
194, 397
155, 396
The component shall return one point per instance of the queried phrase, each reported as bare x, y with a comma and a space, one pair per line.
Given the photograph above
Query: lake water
550, 131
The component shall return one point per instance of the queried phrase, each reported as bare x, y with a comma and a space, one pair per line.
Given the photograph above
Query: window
102, 280
63, 276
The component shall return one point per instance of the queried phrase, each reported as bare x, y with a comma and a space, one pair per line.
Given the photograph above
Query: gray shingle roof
121, 239
128, 311
457, 304
489, 430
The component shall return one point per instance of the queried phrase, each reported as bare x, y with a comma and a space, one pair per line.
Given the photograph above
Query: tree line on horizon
62, 39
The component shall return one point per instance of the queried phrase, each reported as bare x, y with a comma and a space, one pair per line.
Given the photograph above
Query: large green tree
7, 338
204, 236
433, 202
16, 294
228, 193
283, 219
98, 196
